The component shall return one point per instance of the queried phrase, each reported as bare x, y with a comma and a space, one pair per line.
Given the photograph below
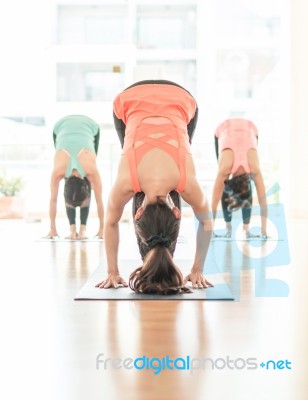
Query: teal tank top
74, 133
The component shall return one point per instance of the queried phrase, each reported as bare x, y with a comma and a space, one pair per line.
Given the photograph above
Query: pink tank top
239, 135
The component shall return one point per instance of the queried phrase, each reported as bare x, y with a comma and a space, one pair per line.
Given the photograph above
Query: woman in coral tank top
236, 143
155, 121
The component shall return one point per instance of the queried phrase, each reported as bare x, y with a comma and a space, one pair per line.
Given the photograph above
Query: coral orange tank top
239, 135
136, 105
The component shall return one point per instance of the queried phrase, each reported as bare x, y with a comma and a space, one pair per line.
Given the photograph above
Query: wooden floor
50, 343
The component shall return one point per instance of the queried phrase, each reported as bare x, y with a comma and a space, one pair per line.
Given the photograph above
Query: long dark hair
157, 231
238, 192
76, 190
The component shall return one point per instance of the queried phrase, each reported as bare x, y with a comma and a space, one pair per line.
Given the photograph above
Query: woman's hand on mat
197, 280
98, 237
262, 236
52, 234
250, 235
100, 234
226, 235
112, 281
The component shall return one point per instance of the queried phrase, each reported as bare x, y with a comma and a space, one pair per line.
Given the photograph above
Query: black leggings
246, 211
84, 211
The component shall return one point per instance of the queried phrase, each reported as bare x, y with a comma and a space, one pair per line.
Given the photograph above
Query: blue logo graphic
237, 253
280, 364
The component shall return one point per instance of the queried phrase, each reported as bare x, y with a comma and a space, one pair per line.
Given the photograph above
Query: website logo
188, 363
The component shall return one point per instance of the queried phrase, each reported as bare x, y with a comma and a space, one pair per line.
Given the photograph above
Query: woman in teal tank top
76, 139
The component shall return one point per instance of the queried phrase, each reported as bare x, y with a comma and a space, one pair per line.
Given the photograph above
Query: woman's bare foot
73, 233
82, 233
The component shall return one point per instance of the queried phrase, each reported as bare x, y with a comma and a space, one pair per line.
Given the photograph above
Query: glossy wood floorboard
50, 343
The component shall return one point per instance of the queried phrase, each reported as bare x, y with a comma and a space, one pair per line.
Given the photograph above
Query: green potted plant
11, 204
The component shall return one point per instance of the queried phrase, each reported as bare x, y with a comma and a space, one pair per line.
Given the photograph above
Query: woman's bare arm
117, 200
96, 184
196, 198
260, 187
224, 170
254, 165
54, 189
218, 191
61, 160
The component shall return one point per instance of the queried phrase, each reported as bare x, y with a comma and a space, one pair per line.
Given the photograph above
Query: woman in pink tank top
155, 121
236, 142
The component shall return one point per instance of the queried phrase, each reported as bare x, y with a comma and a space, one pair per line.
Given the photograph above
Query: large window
166, 26
92, 24
248, 19
242, 73
88, 82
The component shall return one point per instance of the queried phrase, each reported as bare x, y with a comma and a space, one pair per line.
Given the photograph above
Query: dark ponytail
238, 192
76, 191
158, 275
157, 232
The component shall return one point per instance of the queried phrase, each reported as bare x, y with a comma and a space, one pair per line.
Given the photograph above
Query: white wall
299, 109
